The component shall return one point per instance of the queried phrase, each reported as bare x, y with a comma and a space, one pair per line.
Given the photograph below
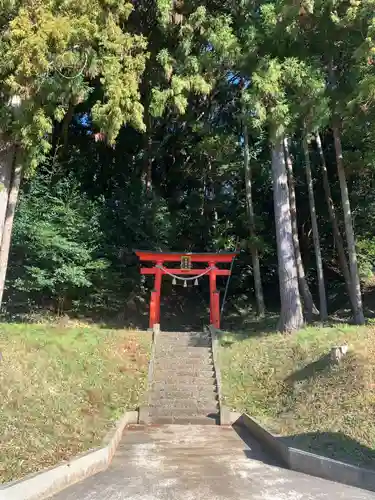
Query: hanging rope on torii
185, 280
185, 273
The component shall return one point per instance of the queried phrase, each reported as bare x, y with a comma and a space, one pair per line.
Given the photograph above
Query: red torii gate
185, 269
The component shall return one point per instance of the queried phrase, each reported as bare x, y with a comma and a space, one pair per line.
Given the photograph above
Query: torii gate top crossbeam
176, 256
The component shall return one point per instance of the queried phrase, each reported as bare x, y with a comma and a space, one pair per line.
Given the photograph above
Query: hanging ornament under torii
174, 282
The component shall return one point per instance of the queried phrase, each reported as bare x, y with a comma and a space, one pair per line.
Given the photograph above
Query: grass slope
289, 384
61, 388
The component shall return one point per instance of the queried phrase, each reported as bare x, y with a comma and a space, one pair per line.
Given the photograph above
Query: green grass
62, 388
289, 384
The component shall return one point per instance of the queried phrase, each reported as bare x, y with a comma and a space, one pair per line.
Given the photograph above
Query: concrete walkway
174, 462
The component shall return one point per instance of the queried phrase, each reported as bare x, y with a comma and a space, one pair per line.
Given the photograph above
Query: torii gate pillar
185, 259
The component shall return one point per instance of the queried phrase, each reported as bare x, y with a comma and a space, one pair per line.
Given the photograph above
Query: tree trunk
353, 265
291, 317
212, 216
147, 150
339, 243
308, 302
250, 212
9, 218
6, 164
315, 230
203, 204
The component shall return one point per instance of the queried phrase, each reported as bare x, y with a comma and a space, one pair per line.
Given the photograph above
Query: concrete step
197, 340
180, 352
179, 345
182, 366
196, 443
186, 380
205, 387
182, 336
165, 394
164, 363
182, 375
197, 406
184, 369
165, 369
179, 335
202, 401
186, 355
183, 412
188, 420
186, 339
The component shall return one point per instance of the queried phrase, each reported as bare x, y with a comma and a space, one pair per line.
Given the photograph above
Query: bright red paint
160, 258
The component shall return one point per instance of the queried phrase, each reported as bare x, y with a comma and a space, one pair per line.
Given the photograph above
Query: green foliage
366, 257
268, 97
163, 83
165, 8
60, 229
53, 53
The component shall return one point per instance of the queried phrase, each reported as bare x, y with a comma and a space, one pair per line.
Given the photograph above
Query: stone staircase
183, 387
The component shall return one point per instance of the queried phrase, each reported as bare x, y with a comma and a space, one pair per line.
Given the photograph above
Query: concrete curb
225, 415
144, 411
49, 482
309, 463
266, 438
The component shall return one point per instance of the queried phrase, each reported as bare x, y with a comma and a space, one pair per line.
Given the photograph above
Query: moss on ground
62, 388
289, 383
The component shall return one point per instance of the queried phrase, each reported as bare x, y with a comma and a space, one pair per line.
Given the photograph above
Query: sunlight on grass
289, 383
62, 388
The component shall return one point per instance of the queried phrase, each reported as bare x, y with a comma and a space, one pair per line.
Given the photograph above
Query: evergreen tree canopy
148, 124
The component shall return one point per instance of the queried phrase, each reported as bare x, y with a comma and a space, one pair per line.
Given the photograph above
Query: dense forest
191, 126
